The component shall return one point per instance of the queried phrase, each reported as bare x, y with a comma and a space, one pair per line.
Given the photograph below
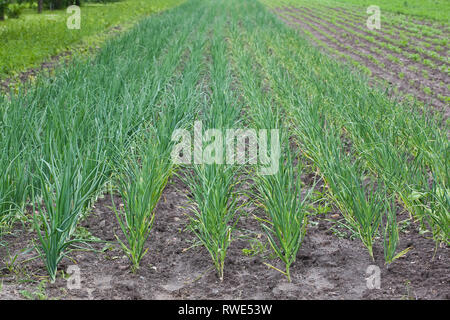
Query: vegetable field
408, 54
348, 174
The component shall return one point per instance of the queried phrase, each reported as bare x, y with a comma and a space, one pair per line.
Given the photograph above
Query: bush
102, 1
60, 4
14, 10
11, 8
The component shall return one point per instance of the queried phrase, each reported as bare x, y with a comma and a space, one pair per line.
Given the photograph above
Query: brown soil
327, 266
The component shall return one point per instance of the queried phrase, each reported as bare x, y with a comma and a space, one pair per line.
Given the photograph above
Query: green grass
33, 38
431, 9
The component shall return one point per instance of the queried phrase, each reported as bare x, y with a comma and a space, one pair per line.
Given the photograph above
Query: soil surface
327, 266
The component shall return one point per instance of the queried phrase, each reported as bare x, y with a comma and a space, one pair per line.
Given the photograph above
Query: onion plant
433, 206
215, 209
5, 192
213, 184
144, 168
320, 140
281, 196
362, 207
142, 176
391, 235
14, 162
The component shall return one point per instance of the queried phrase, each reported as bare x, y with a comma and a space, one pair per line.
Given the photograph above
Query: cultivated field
348, 176
407, 54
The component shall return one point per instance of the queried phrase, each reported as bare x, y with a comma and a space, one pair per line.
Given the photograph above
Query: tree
40, 5
3, 6
59, 4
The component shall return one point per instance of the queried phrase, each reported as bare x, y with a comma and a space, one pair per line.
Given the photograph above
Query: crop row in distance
432, 53
409, 49
398, 42
433, 15
371, 53
87, 131
393, 25
372, 66
374, 51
